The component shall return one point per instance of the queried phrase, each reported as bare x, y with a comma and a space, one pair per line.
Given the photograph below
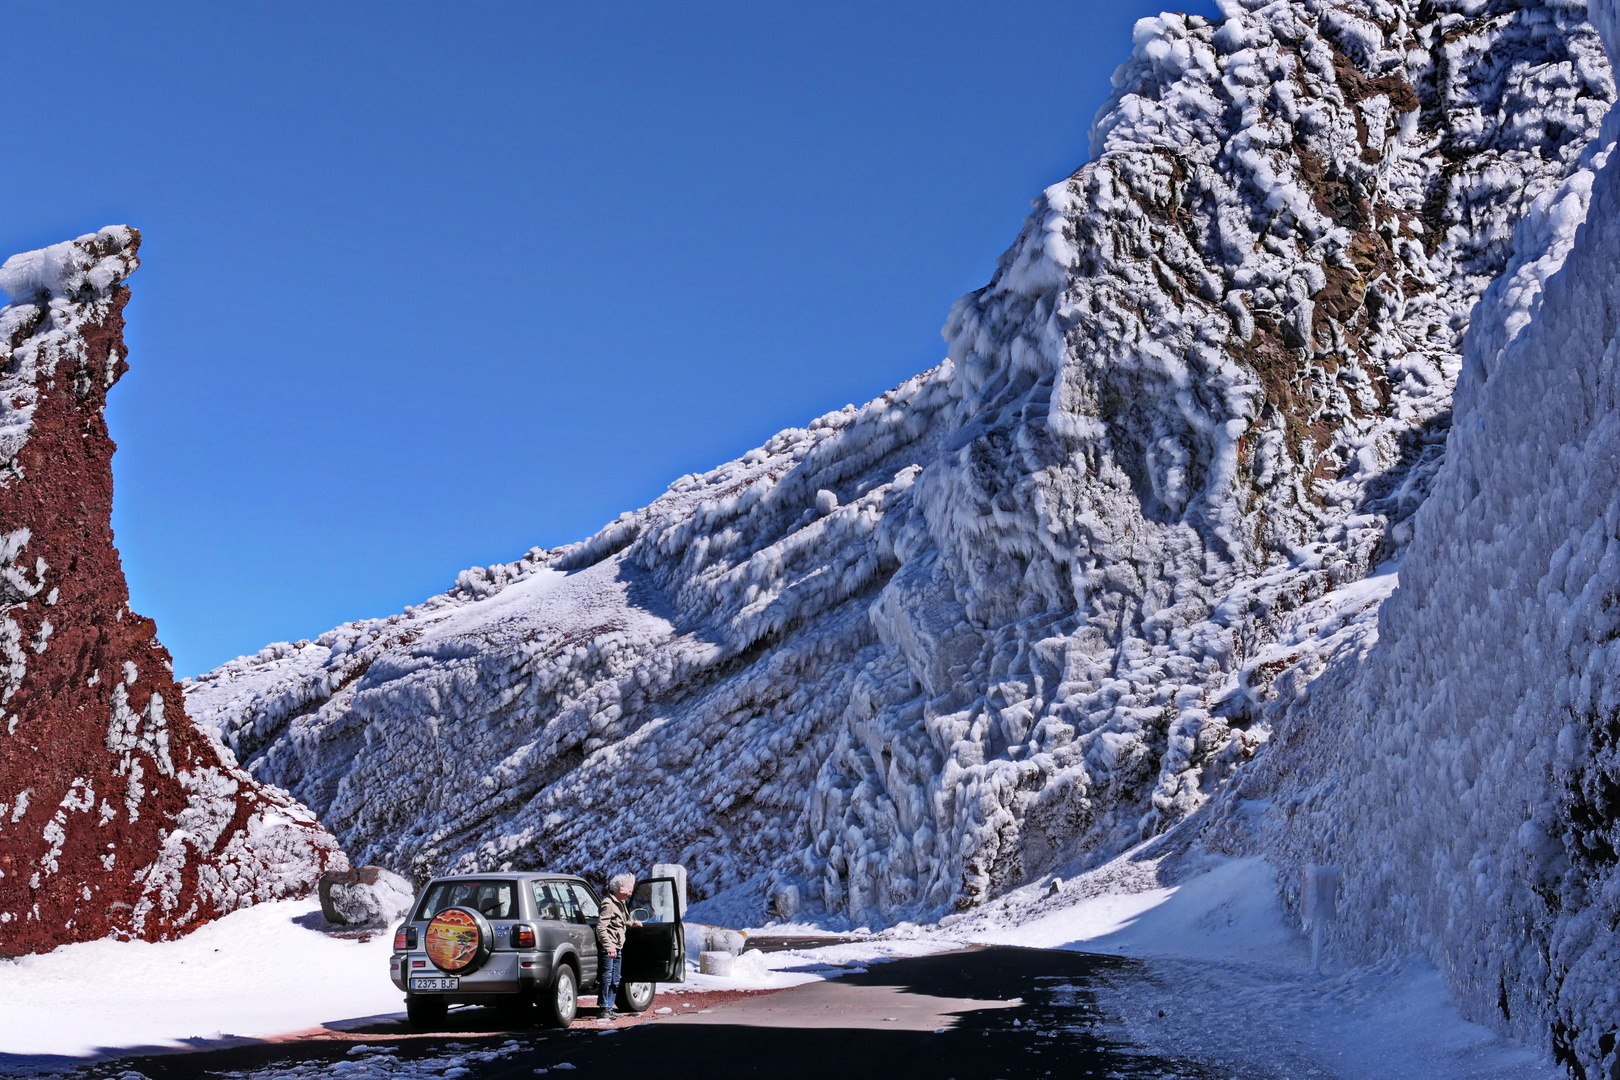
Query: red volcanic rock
117, 814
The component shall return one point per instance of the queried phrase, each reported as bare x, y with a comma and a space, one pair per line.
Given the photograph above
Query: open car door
655, 951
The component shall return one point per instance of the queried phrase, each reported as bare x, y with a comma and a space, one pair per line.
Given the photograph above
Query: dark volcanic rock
117, 815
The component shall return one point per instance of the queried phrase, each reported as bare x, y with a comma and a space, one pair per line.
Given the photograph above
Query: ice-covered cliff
117, 815
1459, 758
1036, 602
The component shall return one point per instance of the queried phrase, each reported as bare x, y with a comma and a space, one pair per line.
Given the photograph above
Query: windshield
491, 899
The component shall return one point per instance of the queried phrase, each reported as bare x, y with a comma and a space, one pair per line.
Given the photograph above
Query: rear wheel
426, 1012
636, 997
560, 1001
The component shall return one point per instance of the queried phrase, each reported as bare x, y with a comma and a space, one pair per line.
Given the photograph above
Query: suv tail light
404, 938
522, 936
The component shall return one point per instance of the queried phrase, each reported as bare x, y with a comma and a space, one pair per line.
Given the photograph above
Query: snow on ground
756, 970
253, 973
1227, 911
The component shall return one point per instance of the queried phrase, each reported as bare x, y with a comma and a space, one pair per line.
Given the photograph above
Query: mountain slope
1026, 605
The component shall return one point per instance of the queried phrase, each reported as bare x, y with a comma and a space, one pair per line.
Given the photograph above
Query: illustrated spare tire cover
458, 940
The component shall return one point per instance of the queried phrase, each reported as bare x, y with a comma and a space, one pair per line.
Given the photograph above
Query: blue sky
427, 285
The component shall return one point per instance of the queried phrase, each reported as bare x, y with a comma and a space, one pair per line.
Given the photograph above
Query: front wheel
426, 1012
636, 997
561, 1001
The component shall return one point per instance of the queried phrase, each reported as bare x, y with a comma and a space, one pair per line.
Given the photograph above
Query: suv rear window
492, 899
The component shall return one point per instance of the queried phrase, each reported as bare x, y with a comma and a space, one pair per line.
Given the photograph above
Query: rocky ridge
117, 815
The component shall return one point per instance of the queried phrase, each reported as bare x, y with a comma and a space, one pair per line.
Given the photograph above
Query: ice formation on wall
117, 815
1459, 759
1036, 602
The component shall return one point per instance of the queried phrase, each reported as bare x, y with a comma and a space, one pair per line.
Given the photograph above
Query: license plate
435, 984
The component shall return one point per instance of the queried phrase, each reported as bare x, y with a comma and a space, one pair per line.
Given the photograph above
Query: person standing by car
611, 924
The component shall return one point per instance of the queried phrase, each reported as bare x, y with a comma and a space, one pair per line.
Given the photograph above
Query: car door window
571, 908
556, 901
545, 903
585, 901
654, 946
654, 902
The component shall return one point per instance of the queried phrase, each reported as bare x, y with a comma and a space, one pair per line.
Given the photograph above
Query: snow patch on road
376, 1063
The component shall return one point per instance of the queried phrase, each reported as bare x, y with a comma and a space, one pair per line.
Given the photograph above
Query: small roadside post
678, 872
1321, 907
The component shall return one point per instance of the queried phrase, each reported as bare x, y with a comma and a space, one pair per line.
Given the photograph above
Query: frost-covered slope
1026, 605
117, 815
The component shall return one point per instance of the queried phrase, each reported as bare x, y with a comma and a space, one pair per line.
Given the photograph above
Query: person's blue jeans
611, 965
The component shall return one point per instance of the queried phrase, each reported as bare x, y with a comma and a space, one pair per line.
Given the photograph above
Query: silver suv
528, 941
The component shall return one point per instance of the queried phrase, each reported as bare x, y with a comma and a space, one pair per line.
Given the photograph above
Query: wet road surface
982, 1013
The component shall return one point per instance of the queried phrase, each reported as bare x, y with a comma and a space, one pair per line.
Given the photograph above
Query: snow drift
117, 815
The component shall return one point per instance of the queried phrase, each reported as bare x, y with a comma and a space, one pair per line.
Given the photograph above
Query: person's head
622, 885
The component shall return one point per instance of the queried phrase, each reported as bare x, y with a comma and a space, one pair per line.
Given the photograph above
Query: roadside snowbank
756, 970
1230, 911
251, 974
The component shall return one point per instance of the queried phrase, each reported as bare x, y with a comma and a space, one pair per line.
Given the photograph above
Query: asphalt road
983, 1013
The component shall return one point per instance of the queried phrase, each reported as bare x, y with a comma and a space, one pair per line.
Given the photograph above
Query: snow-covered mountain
117, 815
1032, 603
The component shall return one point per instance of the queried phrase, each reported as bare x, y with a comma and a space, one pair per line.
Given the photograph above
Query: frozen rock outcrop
117, 815
368, 896
1035, 603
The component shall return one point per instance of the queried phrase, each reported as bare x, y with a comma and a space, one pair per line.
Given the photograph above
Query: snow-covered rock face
1035, 602
116, 814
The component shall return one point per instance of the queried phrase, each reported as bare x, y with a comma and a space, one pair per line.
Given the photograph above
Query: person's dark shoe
608, 1016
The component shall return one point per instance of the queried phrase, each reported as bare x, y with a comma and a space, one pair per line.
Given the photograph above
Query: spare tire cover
458, 940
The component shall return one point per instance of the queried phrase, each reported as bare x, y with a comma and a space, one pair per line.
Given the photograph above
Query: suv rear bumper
502, 973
